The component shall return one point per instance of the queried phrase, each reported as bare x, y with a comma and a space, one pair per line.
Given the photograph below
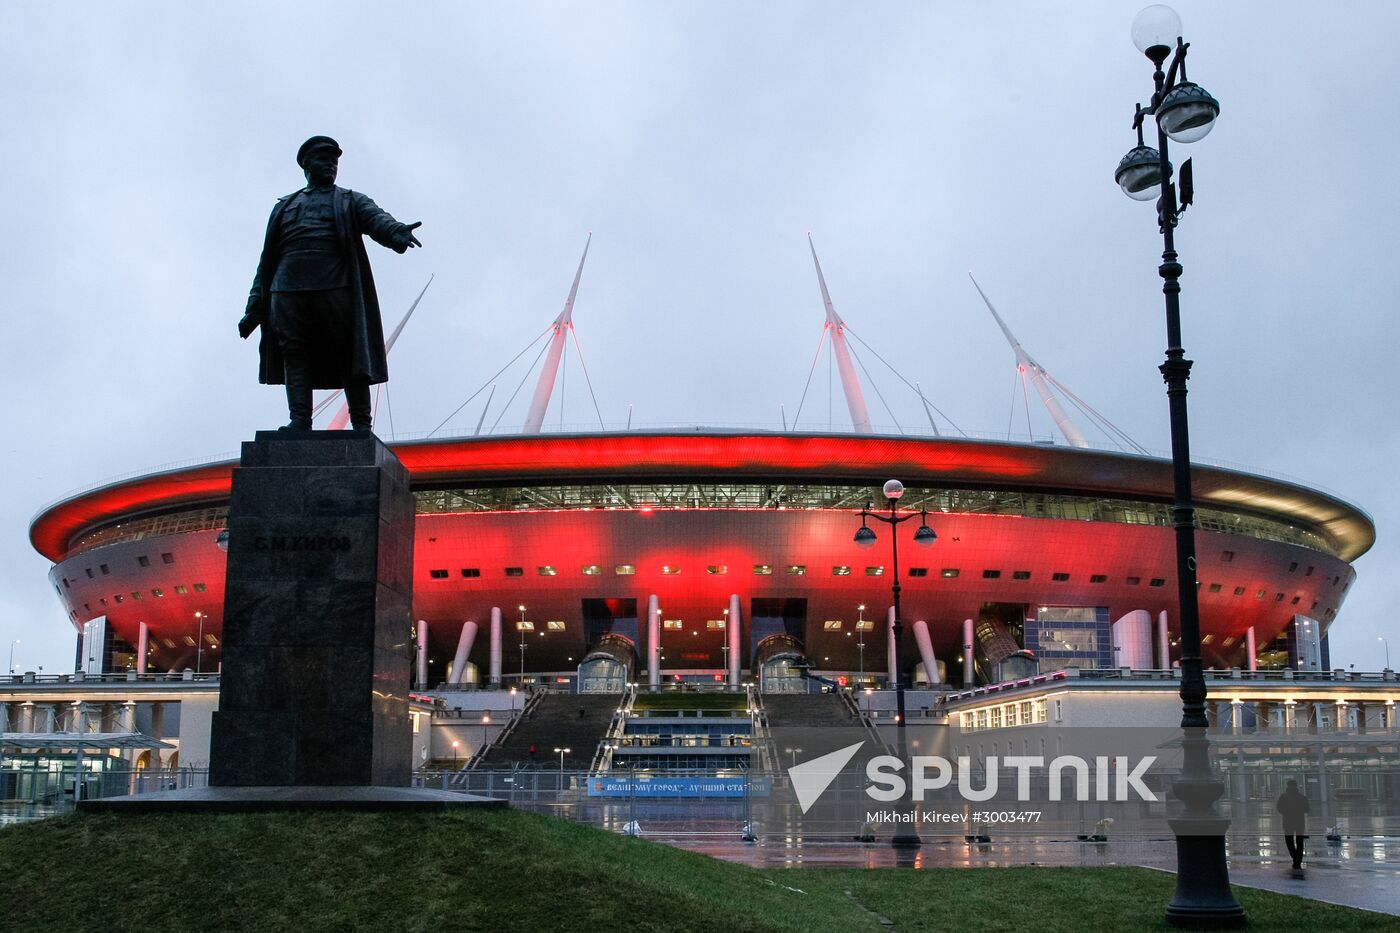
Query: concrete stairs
560, 720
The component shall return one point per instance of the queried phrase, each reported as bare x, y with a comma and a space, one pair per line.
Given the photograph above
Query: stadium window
670, 570
1227, 556
524, 625
157, 592
674, 625
168, 558
591, 570
918, 571
103, 601
438, 574
555, 625
65, 583
1133, 581
515, 571
1313, 607
1059, 577
1293, 567
1239, 591
831, 625
796, 570
189, 640
104, 568
1261, 594
144, 561
545, 571
87, 607
1156, 581
471, 572
1278, 597
118, 598
874, 571
713, 624
1308, 572
625, 570
991, 575
1294, 601
948, 573
88, 571
865, 625
1215, 587
841, 570
762, 570
1098, 578
1020, 574
200, 587
136, 595
181, 590
717, 569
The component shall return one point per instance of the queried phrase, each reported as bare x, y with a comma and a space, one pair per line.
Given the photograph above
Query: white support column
5, 717
735, 640
891, 649
464, 648
1164, 650
422, 678
52, 718
968, 673
129, 716
495, 662
25, 717
1132, 640
1249, 649
925, 643
653, 640
143, 647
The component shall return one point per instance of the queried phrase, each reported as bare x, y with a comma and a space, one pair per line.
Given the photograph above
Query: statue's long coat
356, 216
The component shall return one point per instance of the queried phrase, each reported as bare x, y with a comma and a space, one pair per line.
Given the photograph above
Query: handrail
617, 726
527, 708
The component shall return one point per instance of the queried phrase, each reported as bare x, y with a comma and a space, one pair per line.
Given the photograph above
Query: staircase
808, 710
559, 720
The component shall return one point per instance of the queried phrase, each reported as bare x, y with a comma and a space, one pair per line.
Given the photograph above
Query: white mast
850, 382
342, 417
1037, 374
534, 420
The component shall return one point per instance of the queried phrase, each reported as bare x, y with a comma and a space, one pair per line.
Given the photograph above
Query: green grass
688, 701
513, 870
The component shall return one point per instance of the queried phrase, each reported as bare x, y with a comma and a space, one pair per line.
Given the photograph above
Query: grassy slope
515, 870
324, 871
690, 701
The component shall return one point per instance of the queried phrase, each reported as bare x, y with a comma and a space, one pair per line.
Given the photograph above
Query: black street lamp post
905, 835
1184, 112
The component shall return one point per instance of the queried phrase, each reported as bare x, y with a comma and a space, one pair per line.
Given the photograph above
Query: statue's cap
314, 142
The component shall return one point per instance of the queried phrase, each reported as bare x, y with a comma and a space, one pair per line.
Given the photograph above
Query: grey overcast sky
145, 143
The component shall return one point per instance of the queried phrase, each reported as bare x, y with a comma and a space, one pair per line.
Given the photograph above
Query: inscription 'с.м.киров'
301, 543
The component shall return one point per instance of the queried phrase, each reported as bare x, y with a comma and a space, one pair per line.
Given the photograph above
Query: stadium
699, 554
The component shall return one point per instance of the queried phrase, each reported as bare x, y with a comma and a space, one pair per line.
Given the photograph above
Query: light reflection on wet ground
13, 812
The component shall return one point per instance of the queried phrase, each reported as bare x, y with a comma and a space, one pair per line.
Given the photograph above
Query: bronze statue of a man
314, 294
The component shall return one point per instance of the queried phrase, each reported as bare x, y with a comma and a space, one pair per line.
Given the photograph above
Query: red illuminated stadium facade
583, 529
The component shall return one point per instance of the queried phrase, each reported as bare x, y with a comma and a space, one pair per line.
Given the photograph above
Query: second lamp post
865, 538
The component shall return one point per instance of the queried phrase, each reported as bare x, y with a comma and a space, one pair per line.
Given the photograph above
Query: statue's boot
357, 398
298, 398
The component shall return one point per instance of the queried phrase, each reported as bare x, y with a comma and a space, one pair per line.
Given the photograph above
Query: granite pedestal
317, 634
317, 615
